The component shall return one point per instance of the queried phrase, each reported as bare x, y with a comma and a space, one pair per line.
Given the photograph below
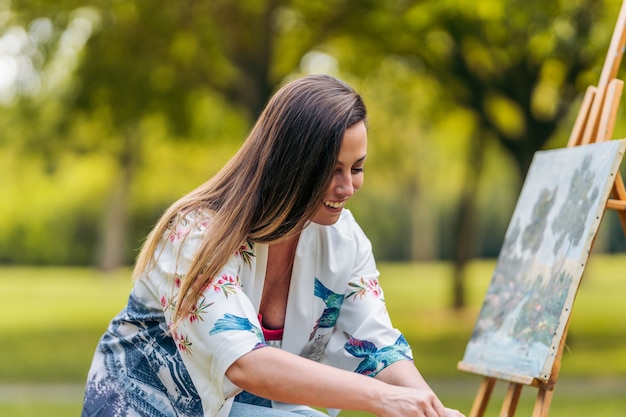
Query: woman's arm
403, 373
282, 376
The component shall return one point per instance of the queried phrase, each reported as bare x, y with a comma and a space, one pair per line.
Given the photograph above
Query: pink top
270, 334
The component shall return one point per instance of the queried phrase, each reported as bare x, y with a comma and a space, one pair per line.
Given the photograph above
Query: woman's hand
413, 402
418, 399
454, 413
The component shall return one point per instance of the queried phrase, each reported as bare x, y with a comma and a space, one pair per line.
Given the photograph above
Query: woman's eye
357, 170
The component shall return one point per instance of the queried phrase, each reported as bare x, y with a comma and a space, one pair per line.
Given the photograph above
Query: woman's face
347, 177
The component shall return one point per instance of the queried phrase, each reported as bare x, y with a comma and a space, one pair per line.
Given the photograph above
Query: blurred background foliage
111, 110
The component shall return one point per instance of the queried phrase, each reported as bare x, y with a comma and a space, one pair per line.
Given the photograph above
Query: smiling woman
258, 293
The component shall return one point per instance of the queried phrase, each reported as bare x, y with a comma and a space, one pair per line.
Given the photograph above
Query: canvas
542, 259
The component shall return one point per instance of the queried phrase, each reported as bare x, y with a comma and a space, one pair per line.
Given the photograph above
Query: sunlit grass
53, 318
67, 298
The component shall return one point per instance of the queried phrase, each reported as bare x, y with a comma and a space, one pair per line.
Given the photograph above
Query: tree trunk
463, 247
424, 242
114, 235
466, 219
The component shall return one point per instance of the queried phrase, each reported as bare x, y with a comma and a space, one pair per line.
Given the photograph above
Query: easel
594, 123
596, 118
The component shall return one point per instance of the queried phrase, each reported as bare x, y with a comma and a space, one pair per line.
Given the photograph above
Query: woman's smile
347, 177
334, 205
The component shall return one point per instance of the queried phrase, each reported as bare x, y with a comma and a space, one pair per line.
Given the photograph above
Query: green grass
53, 317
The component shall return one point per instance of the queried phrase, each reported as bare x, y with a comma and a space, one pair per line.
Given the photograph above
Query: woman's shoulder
186, 221
197, 215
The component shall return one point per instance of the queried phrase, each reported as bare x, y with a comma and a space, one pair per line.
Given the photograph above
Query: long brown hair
272, 186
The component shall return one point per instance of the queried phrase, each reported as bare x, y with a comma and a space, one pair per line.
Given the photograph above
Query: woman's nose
345, 186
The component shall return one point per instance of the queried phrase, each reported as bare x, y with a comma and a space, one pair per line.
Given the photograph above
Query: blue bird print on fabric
333, 303
375, 360
232, 322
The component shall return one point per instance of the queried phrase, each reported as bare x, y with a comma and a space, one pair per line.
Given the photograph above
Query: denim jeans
249, 405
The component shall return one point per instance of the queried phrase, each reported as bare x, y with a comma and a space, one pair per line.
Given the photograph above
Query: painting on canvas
542, 259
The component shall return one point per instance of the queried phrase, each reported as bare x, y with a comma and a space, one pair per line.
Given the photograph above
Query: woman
261, 281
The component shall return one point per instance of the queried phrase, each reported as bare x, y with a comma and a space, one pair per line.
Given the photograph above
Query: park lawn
53, 318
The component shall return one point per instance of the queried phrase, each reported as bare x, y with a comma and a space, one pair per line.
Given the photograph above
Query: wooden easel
594, 123
596, 118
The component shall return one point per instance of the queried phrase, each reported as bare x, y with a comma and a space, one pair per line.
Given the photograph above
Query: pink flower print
226, 284
362, 288
197, 310
177, 280
373, 288
226, 279
246, 252
183, 343
242, 248
167, 303
179, 233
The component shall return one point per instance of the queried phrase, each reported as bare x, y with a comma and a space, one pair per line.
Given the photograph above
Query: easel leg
511, 399
482, 398
583, 115
542, 404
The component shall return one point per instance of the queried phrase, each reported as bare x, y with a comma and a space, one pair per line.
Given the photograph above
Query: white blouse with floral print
336, 315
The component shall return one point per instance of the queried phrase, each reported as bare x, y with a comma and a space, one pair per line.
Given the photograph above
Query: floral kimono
335, 315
